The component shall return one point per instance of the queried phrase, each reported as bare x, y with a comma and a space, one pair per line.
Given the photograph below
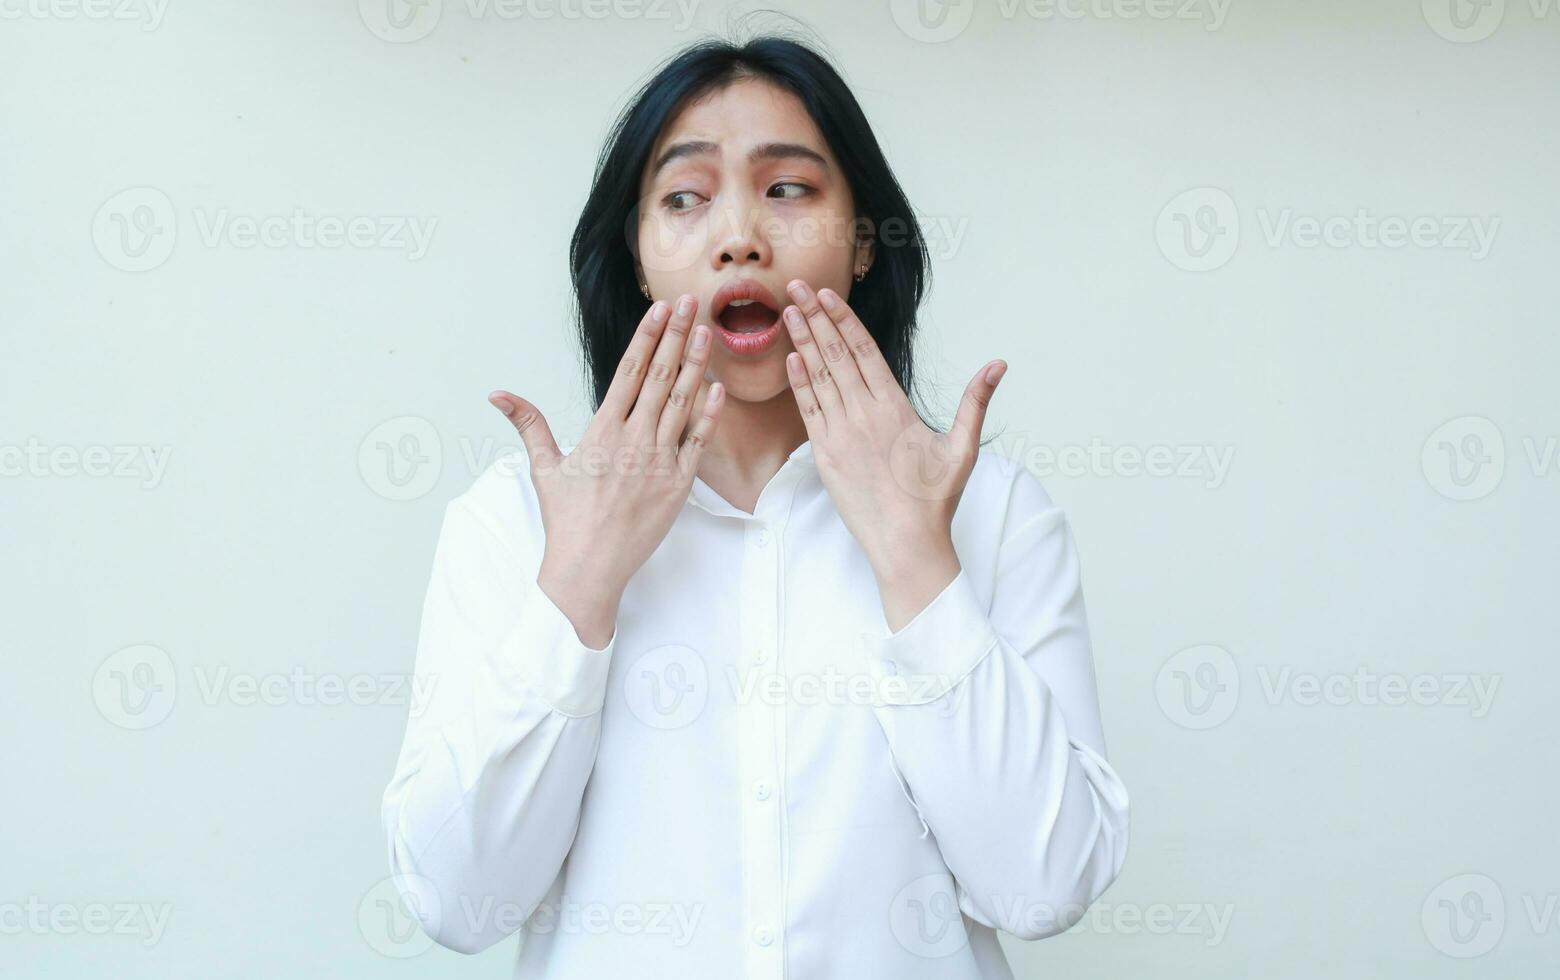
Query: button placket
761, 730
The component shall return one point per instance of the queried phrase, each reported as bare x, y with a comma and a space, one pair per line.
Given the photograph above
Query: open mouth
747, 316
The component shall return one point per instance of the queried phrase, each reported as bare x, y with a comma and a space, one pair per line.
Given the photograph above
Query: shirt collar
796, 466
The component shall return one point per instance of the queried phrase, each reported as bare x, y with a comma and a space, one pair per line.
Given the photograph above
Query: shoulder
502, 500
1002, 491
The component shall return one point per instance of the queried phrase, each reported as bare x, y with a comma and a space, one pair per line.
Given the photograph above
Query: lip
745, 343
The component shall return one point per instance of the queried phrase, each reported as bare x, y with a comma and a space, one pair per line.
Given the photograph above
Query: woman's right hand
607, 505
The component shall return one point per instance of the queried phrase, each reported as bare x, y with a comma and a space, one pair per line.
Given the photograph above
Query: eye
670, 200
802, 189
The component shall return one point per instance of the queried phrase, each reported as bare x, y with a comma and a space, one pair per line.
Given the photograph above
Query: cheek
669, 246
820, 267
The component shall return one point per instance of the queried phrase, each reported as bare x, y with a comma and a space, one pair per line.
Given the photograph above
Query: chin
754, 382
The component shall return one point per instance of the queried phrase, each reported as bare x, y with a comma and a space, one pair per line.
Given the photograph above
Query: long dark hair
608, 302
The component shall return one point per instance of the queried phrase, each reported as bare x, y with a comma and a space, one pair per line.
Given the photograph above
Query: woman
765, 677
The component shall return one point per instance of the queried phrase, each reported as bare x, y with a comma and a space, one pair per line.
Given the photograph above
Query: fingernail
502, 404
685, 306
701, 336
995, 372
793, 316
658, 311
829, 300
795, 288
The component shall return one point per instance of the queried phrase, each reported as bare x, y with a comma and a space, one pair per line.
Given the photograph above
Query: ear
865, 252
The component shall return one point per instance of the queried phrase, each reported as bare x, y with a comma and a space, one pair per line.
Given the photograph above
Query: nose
740, 237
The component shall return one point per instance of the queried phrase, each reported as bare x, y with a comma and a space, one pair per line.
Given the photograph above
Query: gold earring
644, 287
861, 272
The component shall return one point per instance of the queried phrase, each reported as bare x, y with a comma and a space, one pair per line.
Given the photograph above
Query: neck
750, 444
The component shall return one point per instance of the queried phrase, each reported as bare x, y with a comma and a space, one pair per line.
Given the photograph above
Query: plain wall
1169, 226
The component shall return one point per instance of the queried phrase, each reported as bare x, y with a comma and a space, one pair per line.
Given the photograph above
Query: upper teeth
742, 302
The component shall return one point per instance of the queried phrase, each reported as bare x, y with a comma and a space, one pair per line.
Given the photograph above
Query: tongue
747, 319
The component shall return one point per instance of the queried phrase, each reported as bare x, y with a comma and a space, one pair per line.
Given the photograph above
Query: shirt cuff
928, 656
544, 654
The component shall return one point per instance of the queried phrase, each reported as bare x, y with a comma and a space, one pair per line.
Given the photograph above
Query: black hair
609, 304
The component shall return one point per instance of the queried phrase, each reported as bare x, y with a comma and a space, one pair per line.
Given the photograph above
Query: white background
1052, 147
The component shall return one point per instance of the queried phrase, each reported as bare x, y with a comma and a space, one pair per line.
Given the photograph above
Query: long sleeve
993, 719
485, 799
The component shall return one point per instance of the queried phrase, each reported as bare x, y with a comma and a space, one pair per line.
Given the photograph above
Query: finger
806, 399
674, 418
879, 377
663, 367
635, 362
841, 362
534, 431
826, 393
972, 407
699, 436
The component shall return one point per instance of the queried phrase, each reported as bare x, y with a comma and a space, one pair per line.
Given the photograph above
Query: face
741, 195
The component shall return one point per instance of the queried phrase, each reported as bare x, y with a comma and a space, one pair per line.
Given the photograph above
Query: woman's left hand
894, 481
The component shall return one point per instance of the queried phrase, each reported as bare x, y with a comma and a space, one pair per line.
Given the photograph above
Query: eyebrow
764, 151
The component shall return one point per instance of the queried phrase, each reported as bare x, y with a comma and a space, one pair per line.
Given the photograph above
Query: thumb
534, 431
972, 408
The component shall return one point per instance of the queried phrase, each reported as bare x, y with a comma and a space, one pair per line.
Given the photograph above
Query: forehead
745, 113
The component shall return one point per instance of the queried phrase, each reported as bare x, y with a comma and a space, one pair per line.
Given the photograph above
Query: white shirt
756, 777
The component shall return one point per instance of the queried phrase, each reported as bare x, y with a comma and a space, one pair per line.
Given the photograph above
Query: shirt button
761, 656
761, 790
889, 667
762, 537
763, 936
